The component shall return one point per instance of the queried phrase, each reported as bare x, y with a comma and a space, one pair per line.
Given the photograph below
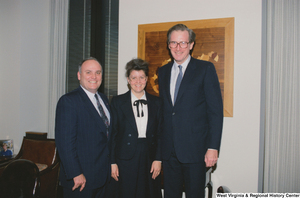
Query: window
93, 31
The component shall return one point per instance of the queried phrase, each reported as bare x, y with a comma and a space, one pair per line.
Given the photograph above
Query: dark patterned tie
102, 113
178, 81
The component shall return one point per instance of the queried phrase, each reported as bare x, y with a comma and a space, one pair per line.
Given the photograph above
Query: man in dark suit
82, 131
193, 117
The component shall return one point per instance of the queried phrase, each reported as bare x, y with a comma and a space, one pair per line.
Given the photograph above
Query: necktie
178, 81
102, 113
137, 103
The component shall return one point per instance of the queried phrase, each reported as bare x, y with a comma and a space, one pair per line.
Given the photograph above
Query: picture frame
9, 145
214, 42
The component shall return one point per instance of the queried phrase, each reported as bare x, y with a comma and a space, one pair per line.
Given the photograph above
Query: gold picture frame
214, 42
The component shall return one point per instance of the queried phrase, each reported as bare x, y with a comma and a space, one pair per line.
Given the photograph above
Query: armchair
20, 178
44, 154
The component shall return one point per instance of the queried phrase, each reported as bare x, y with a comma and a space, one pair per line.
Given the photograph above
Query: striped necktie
102, 113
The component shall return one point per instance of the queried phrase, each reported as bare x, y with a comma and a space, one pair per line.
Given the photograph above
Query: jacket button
173, 113
128, 143
129, 135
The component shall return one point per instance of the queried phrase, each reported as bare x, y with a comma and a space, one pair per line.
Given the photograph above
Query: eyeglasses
174, 44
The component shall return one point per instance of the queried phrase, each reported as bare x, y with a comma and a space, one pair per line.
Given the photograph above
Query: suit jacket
125, 133
81, 140
194, 123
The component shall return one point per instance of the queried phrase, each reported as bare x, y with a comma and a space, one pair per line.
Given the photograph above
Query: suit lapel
91, 108
126, 108
151, 113
88, 104
167, 81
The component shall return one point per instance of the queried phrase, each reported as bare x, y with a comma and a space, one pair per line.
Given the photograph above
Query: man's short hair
89, 58
181, 27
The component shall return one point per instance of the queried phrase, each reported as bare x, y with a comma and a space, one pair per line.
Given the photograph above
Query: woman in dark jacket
136, 128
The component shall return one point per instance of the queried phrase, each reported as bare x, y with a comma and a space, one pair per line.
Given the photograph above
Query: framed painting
214, 42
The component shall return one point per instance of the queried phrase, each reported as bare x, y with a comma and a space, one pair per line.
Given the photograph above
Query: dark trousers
135, 179
85, 193
190, 175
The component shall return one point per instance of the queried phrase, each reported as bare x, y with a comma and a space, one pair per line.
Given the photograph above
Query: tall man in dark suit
193, 117
82, 131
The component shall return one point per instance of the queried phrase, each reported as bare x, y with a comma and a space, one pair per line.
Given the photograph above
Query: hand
155, 169
211, 157
79, 181
115, 172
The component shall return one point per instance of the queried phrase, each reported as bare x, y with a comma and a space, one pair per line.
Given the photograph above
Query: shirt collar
89, 94
134, 98
184, 64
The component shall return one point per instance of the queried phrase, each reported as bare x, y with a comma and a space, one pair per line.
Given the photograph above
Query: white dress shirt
141, 122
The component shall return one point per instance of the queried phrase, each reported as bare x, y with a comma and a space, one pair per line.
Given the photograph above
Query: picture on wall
214, 42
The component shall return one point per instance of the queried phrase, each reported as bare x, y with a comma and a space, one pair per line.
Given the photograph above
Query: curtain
282, 112
58, 56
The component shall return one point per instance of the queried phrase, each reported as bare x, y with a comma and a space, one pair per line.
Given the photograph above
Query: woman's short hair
137, 64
